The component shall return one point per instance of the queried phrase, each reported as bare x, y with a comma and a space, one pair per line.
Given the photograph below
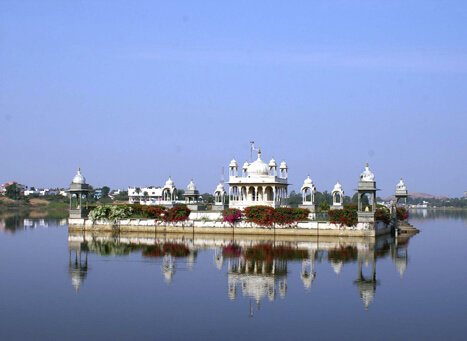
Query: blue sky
135, 91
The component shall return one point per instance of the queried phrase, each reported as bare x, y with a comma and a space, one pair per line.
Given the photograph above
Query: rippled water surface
56, 285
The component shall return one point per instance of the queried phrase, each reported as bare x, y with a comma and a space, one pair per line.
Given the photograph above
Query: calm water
60, 286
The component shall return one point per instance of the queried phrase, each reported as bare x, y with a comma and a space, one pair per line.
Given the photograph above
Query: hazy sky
135, 91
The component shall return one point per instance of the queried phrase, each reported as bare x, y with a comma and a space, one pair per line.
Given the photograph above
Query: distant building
20, 187
152, 195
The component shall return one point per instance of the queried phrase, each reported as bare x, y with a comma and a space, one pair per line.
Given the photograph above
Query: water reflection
256, 268
14, 222
439, 213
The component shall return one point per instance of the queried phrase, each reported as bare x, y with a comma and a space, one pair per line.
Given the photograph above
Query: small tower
366, 190
401, 193
219, 198
192, 198
308, 195
272, 167
233, 168
245, 169
337, 197
79, 195
283, 170
169, 192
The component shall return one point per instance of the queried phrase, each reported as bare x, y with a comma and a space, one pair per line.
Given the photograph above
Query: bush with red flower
177, 213
260, 215
346, 217
155, 212
383, 214
402, 213
231, 215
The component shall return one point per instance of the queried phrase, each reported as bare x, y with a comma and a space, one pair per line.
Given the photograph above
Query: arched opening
259, 196
366, 202
337, 198
251, 194
307, 195
269, 194
243, 195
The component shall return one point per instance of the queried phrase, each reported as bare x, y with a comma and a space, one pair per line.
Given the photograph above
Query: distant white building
20, 187
152, 195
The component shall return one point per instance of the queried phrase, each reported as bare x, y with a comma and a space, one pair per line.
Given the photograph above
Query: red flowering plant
177, 213
156, 212
383, 214
231, 215
288, 215
260, 215
346, 217
402, 213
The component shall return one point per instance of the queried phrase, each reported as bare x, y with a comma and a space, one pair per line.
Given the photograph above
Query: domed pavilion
259, 184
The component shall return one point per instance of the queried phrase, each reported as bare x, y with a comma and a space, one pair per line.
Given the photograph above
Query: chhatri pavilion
259, 183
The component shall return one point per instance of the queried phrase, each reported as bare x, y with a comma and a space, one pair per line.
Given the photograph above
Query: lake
57, 285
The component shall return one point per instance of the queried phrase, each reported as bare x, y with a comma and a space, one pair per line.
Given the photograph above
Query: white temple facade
258, 184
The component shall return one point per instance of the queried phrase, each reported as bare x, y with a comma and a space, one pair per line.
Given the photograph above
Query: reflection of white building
257, 279
258, 184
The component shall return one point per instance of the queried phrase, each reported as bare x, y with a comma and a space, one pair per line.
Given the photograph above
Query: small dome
245, 165
191, 186
283, 165
308, 183
401, 185
233, 163
272, 163
79, 178
367, 175
220, 188
169, 182
258, 167
337, 187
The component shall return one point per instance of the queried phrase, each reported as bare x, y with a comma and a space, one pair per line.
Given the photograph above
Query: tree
105, 190
209, 198
122, 196
180, 193
12, 191
294, 199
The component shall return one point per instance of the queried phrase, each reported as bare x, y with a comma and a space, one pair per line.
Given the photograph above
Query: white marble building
258, 184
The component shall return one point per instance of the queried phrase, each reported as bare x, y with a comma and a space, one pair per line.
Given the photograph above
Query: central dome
258, 167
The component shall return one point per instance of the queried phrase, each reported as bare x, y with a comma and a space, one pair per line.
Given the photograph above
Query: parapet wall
209, 222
